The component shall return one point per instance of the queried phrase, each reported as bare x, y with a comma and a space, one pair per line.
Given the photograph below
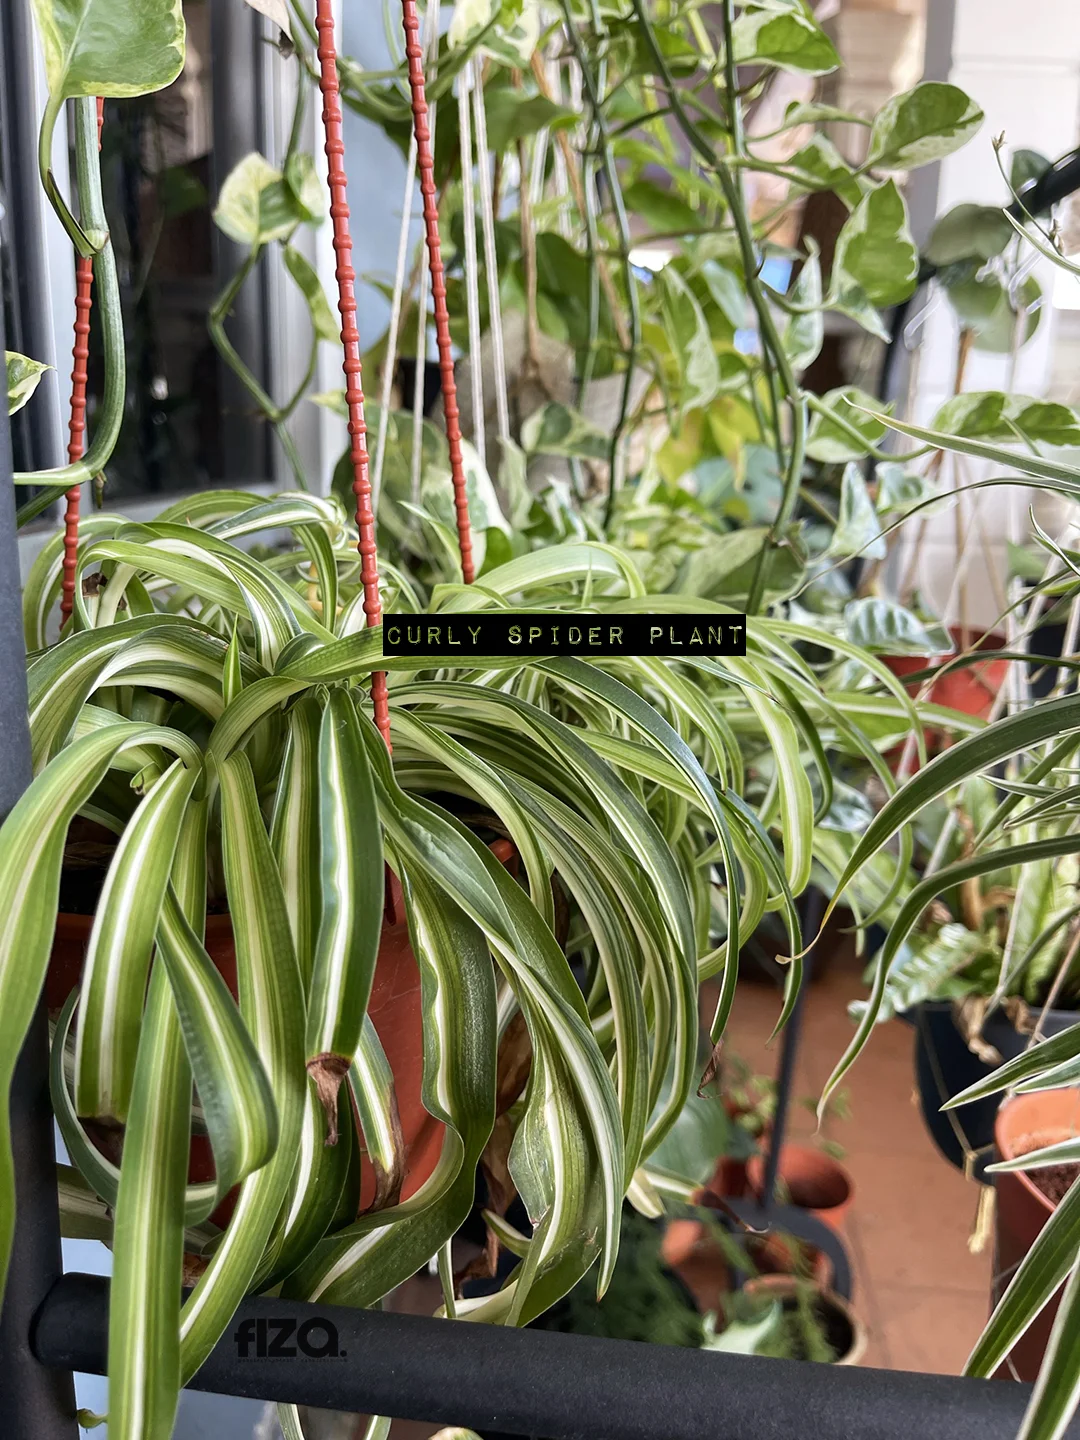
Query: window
188, 424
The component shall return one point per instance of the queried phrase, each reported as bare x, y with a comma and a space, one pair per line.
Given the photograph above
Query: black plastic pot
944, 1066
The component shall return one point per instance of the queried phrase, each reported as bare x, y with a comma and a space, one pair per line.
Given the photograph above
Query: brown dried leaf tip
328, 1071
712, 1069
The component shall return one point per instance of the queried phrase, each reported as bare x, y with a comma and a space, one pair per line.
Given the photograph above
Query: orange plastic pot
813, 1181
971, 689
394, 1008
1026, 1123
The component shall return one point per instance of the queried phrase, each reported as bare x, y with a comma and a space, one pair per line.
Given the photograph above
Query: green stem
276, 415
84, 243
107, 308
799, 180
781, 377
219, 311
899, 457
596, 105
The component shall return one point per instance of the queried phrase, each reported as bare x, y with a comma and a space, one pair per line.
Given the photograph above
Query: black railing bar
813, 908
540, 1383
1037, 198
33, 1401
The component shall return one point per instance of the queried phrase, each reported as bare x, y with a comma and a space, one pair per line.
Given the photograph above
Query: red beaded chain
84, 277
426, 166
350, 339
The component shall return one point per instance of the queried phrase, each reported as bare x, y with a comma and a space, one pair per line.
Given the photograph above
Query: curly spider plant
208, 706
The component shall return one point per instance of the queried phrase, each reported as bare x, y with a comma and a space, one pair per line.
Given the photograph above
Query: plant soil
1055, 1181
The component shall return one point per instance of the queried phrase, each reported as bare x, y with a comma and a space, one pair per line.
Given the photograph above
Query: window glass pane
156, 173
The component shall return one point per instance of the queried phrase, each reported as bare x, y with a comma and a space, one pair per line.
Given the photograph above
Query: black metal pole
34, 1401
536, 1382
789, 1051
1036, 198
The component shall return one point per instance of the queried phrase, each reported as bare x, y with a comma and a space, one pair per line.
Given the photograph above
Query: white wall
376, 171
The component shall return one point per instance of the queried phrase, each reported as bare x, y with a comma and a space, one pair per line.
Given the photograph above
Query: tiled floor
919, 1290
922, 1294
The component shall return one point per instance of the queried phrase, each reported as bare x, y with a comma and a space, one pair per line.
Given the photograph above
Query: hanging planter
395, 1008
229, 717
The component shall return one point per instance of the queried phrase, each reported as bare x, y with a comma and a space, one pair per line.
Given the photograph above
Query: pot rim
1006, 1151
755, 1169
786, 1285
78, 925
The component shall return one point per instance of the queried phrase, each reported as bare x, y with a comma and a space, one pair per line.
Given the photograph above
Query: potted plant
209, 706
1030, 755
990, 960
788, 1318
1044, 1122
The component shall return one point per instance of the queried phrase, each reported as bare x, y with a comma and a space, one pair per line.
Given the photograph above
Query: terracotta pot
72, 935
394, 1007
944, 1065
971, 689
1025, 1123
698, 1261
728, 1180
70, 939
814, 1181
845, 1331
693, 1253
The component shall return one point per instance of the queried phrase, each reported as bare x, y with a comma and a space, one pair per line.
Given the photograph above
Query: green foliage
992, 415
858, 530
922, 125
110, 47
644, 1302
969, 232
875, 251
790, 40
255, 204
842, 412
876, 624
984, 306
23, 377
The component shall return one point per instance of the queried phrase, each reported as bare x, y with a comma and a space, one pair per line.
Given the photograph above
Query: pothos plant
664, 318
208, 708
